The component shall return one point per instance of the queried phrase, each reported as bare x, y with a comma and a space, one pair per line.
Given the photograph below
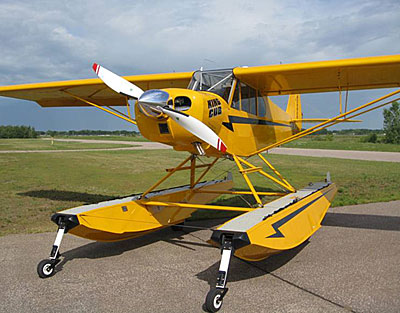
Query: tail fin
294, 110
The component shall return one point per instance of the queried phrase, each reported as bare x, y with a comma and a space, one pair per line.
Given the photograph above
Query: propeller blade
117, 83
196, 127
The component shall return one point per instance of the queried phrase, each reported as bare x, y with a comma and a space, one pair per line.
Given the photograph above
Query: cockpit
215, 81
221, 82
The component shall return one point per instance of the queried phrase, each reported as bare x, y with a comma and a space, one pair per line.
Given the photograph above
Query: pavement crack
349, 309
301, 288
198, 238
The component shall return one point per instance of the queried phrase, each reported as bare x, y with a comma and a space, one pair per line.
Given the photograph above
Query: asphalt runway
352, 264
341, 154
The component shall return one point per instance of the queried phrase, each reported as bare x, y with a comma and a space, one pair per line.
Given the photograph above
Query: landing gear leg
46, 267
216, 295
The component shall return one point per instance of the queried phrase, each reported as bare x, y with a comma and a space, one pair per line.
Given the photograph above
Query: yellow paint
245, 139
51, 94
248, 134
362, 109
111, 223
324, 76
295, 231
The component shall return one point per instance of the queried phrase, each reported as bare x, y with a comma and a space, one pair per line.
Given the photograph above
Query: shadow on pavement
243, 270
96, 250
366, 221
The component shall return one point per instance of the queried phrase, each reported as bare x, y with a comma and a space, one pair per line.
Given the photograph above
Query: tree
373, 138
17, 132
391, 123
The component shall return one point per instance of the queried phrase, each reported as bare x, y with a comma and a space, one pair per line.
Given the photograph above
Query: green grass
341, 142
33, 186
39, 144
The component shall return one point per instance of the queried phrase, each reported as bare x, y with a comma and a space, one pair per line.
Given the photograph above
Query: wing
53, 94
348, 74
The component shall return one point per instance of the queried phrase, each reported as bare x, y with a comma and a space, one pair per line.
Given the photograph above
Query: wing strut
362, 109
108, 110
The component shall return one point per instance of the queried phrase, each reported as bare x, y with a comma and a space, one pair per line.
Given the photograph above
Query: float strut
46, 268
54, 254
216, 295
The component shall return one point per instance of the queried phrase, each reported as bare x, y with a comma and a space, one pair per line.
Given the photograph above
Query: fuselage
238, 114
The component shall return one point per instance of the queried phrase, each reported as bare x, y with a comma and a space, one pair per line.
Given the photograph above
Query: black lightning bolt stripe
281, 222
251, 121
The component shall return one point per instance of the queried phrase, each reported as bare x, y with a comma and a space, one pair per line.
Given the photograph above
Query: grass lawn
340, 142
335, 142
33, 186
39, 144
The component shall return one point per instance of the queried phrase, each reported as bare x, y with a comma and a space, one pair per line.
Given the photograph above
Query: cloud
46, 39
55, 40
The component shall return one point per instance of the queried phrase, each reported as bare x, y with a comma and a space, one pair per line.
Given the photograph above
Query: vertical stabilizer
294, 110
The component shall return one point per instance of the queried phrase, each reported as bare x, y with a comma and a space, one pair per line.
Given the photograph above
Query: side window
182, 103
244, 92
261, 109
236, 98
253, 103
245, 99
249, 103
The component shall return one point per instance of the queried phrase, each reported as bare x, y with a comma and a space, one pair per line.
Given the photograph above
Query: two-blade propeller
117, 83
190, 123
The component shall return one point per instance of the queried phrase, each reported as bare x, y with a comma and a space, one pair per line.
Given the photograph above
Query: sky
59, 40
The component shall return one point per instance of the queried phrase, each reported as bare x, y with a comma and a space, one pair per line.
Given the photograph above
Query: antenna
201, 78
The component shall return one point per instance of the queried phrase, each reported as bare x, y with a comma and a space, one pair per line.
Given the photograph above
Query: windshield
216, 81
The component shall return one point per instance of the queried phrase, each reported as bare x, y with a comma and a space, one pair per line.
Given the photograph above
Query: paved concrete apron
350, 265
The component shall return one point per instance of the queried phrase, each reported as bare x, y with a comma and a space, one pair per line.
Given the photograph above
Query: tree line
88, 132
17, 132
22, 131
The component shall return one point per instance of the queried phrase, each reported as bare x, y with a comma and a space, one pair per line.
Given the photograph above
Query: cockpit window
236, 98
248, 99
261, 108
182, 103
215, 81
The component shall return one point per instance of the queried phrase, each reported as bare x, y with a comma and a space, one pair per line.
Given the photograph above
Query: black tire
214, 300
45, 268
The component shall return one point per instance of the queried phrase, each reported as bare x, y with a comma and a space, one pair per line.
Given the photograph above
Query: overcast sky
59, 40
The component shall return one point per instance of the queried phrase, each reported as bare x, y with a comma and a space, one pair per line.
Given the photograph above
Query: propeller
117, 83
196, 127
156, 100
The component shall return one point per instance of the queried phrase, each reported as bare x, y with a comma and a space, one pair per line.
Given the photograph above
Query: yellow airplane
214, 115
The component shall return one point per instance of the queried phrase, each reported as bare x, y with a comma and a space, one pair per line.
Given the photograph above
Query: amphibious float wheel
45, 268
214, 300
